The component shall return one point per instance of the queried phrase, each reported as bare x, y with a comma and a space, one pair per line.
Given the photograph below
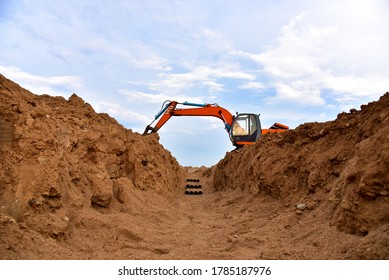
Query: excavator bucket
148, 130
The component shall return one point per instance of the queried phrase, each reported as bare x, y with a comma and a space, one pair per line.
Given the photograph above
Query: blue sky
291, 61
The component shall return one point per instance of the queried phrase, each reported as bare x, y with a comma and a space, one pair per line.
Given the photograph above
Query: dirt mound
75, 184
62, 164
338, 167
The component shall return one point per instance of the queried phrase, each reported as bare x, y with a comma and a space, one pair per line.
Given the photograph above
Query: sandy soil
75, 184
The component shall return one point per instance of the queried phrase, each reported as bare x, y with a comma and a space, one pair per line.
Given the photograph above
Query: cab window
244, 125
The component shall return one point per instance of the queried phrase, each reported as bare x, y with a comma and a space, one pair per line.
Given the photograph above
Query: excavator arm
169, 109
243, 129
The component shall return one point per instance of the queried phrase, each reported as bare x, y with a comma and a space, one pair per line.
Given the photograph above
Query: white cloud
138, 97
253, 86
211, 123
298, 94
299, 51
200, 76
303, 64
214, 40
136, 54
120, 113
54, 85
350, 85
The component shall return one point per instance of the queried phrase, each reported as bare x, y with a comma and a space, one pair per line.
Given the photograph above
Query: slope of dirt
75, 184
339, 170
67, 171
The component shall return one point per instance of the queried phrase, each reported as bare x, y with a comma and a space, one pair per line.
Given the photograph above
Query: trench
88, 188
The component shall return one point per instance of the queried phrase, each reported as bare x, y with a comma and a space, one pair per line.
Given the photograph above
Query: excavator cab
245, 129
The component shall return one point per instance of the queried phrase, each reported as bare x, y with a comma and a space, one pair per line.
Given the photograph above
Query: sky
291, 61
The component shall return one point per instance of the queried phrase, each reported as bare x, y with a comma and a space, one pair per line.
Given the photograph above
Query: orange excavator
243, 129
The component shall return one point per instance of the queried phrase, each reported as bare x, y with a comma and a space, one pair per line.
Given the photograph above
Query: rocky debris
301, 206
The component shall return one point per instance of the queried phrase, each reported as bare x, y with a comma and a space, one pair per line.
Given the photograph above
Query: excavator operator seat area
246, 128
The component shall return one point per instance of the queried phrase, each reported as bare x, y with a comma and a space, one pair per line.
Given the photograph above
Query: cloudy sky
292, 61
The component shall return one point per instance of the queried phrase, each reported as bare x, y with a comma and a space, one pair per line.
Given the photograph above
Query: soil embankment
75, 184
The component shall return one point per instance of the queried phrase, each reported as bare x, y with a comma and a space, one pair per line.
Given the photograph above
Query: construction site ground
75, 184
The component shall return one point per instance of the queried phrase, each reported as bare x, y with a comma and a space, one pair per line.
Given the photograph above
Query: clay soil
75, 184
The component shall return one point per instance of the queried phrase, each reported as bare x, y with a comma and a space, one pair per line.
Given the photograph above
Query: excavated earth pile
67, 172
75, 184
332, 175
